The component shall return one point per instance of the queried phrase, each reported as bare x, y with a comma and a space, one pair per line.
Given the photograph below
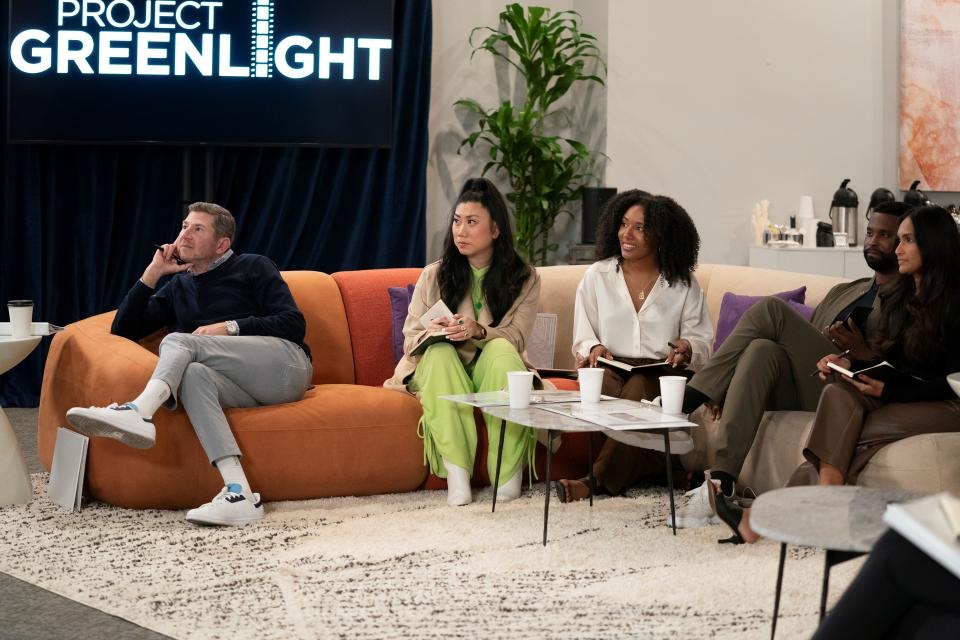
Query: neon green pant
448, 429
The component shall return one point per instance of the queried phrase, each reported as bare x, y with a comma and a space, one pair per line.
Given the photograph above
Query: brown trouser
850, 428
764, 364
618, 465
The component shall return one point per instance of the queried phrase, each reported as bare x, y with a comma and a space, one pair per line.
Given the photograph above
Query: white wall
720, 105
455, 76
716, 104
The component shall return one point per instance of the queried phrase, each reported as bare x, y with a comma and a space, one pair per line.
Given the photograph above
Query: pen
176, 258
842, 355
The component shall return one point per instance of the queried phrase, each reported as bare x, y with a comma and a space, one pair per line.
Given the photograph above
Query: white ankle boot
510, 490
458, 485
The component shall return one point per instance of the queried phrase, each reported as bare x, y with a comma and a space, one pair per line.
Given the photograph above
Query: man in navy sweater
237, 340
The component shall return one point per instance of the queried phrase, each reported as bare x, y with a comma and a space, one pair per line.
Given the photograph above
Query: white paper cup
519, 383
21, 315
671, 394
806, 207
591, 381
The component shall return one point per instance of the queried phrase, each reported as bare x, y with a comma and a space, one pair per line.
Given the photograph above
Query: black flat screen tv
244, 72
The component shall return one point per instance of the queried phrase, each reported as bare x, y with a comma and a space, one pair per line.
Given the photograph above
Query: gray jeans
211, 373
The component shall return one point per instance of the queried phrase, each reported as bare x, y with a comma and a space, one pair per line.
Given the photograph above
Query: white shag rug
410, 566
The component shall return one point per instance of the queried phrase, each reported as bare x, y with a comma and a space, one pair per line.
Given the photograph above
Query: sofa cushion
328, 336
735, 305
925, 463
367, 307
399, 304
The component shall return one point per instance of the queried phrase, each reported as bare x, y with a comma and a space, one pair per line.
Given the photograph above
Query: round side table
15, 485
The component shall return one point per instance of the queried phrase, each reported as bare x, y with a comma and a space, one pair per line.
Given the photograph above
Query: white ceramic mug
519, 383
671, 394
21, 315
591, 381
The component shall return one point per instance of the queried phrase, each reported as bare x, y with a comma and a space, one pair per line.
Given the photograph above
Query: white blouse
604, 314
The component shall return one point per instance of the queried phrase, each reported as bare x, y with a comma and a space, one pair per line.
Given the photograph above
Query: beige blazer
515, 326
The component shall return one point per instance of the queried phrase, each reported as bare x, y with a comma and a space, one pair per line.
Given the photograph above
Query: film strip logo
261, 45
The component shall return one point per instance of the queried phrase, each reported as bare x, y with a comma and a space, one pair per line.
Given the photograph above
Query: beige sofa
926, 463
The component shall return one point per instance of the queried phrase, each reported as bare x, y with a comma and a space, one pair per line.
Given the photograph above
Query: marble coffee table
537, 416
844, 521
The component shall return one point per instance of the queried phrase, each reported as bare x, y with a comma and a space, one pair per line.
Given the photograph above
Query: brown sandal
565, 493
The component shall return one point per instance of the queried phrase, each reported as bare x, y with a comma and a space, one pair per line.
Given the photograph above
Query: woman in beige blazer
493, 294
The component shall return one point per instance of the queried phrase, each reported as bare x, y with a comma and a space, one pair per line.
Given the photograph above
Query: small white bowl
954, 380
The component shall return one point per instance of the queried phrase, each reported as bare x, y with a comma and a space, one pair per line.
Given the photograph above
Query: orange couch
348, 436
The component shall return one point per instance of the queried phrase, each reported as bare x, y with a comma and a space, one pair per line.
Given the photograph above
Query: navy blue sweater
246, 288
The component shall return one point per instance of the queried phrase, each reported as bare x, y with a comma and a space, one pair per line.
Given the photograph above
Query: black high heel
728, 511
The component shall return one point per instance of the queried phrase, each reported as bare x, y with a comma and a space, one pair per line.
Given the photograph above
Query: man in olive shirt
766, 362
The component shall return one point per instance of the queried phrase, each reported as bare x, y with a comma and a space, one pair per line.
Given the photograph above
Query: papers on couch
68, 469
925, 523
543, 341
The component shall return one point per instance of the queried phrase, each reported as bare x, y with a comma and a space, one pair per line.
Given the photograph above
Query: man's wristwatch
232, 328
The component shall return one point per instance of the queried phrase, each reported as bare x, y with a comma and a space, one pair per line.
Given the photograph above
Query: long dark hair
508, 272
666, 225
913, 320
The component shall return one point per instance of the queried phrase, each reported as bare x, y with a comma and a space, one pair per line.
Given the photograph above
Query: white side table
15, 485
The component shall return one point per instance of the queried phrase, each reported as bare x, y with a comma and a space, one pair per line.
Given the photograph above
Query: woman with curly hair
634, 303
493, 294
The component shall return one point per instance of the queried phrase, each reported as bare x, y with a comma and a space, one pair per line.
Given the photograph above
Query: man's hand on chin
218, 329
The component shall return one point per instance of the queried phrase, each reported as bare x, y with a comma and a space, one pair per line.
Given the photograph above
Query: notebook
68, 469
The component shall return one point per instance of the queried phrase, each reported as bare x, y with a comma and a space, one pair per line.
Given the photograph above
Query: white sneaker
118, 421
510, 490
230, 507
696, 512
458, 485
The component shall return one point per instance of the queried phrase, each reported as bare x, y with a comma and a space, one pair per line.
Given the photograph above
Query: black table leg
593, 481
546, 486
832, 558
826, 585
496, 479
666, 450
776, 595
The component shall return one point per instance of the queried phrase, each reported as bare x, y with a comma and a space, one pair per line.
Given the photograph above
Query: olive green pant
448, 429
764, 364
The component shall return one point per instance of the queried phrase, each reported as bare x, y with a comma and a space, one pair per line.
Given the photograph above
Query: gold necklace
643, 295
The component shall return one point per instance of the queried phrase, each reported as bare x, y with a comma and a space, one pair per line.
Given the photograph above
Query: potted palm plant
546, 171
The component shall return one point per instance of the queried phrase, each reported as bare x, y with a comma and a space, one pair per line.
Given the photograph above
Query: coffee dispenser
914, 197
843, 215
879, 196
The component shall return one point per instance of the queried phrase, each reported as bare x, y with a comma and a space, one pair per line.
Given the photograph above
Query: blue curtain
79, 221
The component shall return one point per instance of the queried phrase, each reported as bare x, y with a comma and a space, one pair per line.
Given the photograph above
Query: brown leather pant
618, 465
850, 428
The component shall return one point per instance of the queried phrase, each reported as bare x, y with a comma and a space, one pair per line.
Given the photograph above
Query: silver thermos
843, 215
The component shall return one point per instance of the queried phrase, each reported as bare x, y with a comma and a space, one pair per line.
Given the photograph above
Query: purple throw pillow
733, 306
805, 312
399, 303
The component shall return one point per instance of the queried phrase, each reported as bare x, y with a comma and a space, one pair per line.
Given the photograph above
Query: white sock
510, 490
154, 395
458, 485
229, 467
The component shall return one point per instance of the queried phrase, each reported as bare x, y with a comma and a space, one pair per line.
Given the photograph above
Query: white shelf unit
842, 262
